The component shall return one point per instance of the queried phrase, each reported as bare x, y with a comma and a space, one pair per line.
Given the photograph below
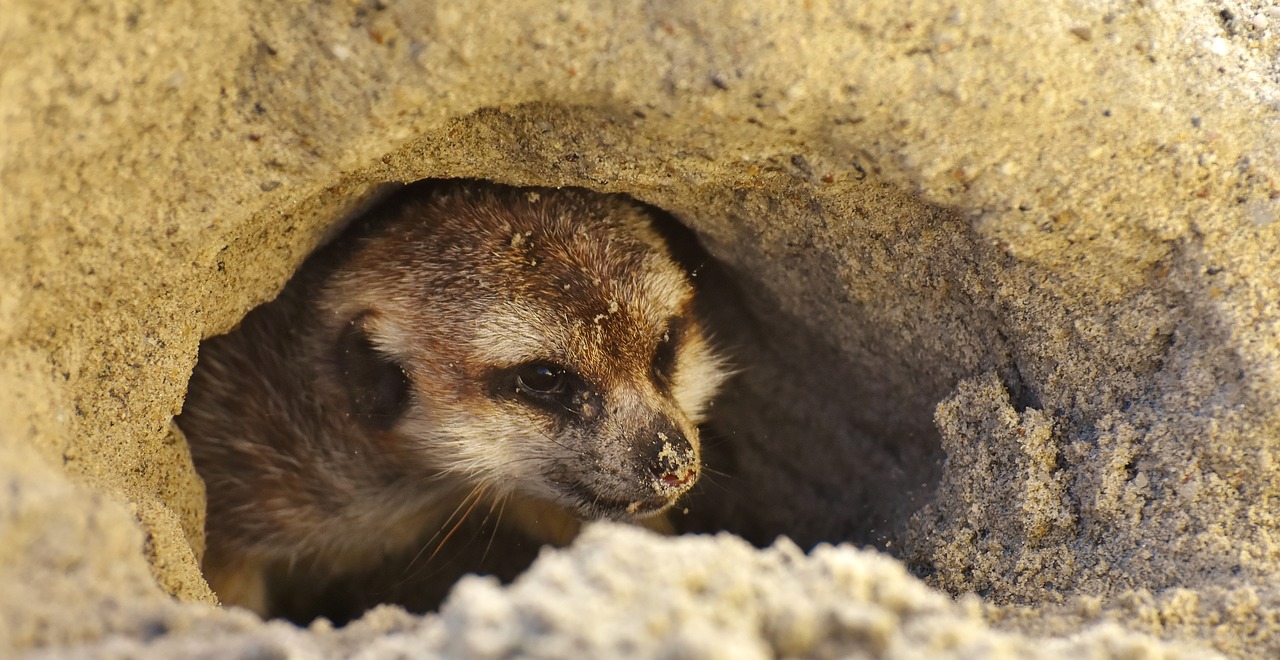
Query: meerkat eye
541, 379
551, 388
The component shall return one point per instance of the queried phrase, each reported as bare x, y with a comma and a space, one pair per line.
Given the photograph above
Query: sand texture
1002, 280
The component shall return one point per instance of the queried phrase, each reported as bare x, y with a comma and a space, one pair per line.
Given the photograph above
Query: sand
1001, 281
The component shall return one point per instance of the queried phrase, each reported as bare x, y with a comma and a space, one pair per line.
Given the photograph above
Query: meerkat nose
676, 467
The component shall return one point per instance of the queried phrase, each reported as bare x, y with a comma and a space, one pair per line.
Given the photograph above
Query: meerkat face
540, 343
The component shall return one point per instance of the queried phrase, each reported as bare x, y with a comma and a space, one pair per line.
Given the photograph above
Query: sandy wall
1001, 280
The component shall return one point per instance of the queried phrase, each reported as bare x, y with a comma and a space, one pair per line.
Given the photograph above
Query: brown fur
448, 289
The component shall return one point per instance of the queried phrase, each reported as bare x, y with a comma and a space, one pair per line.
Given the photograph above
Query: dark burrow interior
825, 433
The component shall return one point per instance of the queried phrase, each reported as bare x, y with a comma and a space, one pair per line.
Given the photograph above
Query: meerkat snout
464, 346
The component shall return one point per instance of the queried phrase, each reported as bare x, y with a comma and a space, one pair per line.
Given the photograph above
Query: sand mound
1003, 285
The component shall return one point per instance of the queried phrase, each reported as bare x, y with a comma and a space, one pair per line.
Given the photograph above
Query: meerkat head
535, 342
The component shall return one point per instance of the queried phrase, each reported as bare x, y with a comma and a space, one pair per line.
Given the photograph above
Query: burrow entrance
850, 309
846, 325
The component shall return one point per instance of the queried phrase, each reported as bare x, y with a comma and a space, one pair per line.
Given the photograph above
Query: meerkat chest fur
529, 349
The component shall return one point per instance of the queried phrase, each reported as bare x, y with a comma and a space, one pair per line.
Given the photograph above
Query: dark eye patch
664, 358
377, 387
548, 386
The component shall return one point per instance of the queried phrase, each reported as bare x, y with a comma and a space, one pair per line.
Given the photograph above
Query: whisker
710, 471
457, 525
429, 541
502, 507
710, 482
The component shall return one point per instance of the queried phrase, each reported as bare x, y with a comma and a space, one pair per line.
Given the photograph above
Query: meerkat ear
377, 387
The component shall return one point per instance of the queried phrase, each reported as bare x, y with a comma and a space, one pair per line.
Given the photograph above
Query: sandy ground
1001, 279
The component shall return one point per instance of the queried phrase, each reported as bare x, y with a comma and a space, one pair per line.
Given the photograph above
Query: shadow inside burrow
815, 438
829, 436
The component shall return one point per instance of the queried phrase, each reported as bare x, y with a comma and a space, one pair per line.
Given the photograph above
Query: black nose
672, 461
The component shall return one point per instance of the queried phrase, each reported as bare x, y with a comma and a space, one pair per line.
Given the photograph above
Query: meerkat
534, 353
